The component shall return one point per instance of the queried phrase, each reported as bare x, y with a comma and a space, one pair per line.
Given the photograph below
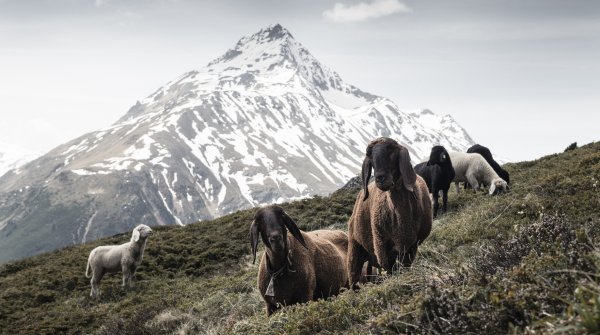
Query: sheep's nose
379, 179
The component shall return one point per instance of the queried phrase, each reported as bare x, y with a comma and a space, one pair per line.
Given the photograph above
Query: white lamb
112, 258
474, 169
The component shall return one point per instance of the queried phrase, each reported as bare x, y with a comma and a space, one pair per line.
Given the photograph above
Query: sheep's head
271, 223
390, 162
141, 232
438, 155
498, 186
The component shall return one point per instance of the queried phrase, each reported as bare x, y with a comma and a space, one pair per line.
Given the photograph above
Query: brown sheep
391, 216
309, 266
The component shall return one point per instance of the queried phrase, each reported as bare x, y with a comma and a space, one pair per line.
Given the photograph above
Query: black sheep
487, 155
438, 174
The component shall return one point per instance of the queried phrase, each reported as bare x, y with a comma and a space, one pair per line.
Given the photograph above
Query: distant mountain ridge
12, 157
266, 122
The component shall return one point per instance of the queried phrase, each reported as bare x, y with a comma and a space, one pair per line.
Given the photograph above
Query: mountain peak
266, 123
274, 34
271, 33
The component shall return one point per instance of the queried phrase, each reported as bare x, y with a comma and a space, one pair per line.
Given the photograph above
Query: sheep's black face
271, 223
498, 186
389, 161
385, 166
272, 232
438, 155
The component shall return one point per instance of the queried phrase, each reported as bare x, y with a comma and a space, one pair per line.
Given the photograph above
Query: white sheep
474, 169
112, 258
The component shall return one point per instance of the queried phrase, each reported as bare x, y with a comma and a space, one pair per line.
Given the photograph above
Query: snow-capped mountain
266, 122
12, 156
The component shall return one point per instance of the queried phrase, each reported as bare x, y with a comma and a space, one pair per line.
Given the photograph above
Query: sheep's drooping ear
254, 240
366, 175
409, 177
136, 235
291, 226
492, 188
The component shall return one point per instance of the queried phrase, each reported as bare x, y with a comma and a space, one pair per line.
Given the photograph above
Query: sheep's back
337, 237
108, 256
460, 163
329, 257
463, 162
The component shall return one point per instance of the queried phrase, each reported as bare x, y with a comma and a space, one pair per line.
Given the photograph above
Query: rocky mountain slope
265, 122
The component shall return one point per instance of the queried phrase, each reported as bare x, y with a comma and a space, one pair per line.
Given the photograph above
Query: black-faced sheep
438, 173
391, 216
114, 258
487, 155
473, 168
297, 269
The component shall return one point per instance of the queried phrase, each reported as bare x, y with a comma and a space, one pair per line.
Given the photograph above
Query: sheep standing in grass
297, 269
474, 169
114, 258
438, 173
391, 216
487, 155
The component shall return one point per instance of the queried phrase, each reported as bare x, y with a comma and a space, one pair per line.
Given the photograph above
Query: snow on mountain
11, 157
266, 122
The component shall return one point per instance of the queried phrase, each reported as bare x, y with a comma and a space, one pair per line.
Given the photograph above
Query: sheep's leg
130, 279
126, 276
95, 282
444, 201
271, 309
357, 256
457, 187
381, 252
473, 181
436, 204
392, 260
409, 255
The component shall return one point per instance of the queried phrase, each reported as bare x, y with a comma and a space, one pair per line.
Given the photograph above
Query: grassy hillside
527, 261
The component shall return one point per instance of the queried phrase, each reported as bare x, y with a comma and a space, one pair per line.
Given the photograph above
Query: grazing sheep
486, 153
438, 173
473, 168
112, 258
305, 267
391, 216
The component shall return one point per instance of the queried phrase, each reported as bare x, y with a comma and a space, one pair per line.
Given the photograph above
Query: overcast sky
522, 76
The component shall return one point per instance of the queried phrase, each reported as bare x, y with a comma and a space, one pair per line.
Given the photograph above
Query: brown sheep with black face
391, 216
299, 268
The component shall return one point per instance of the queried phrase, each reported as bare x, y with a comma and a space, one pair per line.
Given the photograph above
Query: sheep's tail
88, 268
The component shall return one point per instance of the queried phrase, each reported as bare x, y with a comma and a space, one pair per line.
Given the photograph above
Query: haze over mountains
266, 122
12, 156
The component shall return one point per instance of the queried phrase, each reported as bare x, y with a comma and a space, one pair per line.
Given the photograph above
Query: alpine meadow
525, 261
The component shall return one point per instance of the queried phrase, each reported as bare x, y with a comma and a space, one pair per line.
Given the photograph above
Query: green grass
523, 262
